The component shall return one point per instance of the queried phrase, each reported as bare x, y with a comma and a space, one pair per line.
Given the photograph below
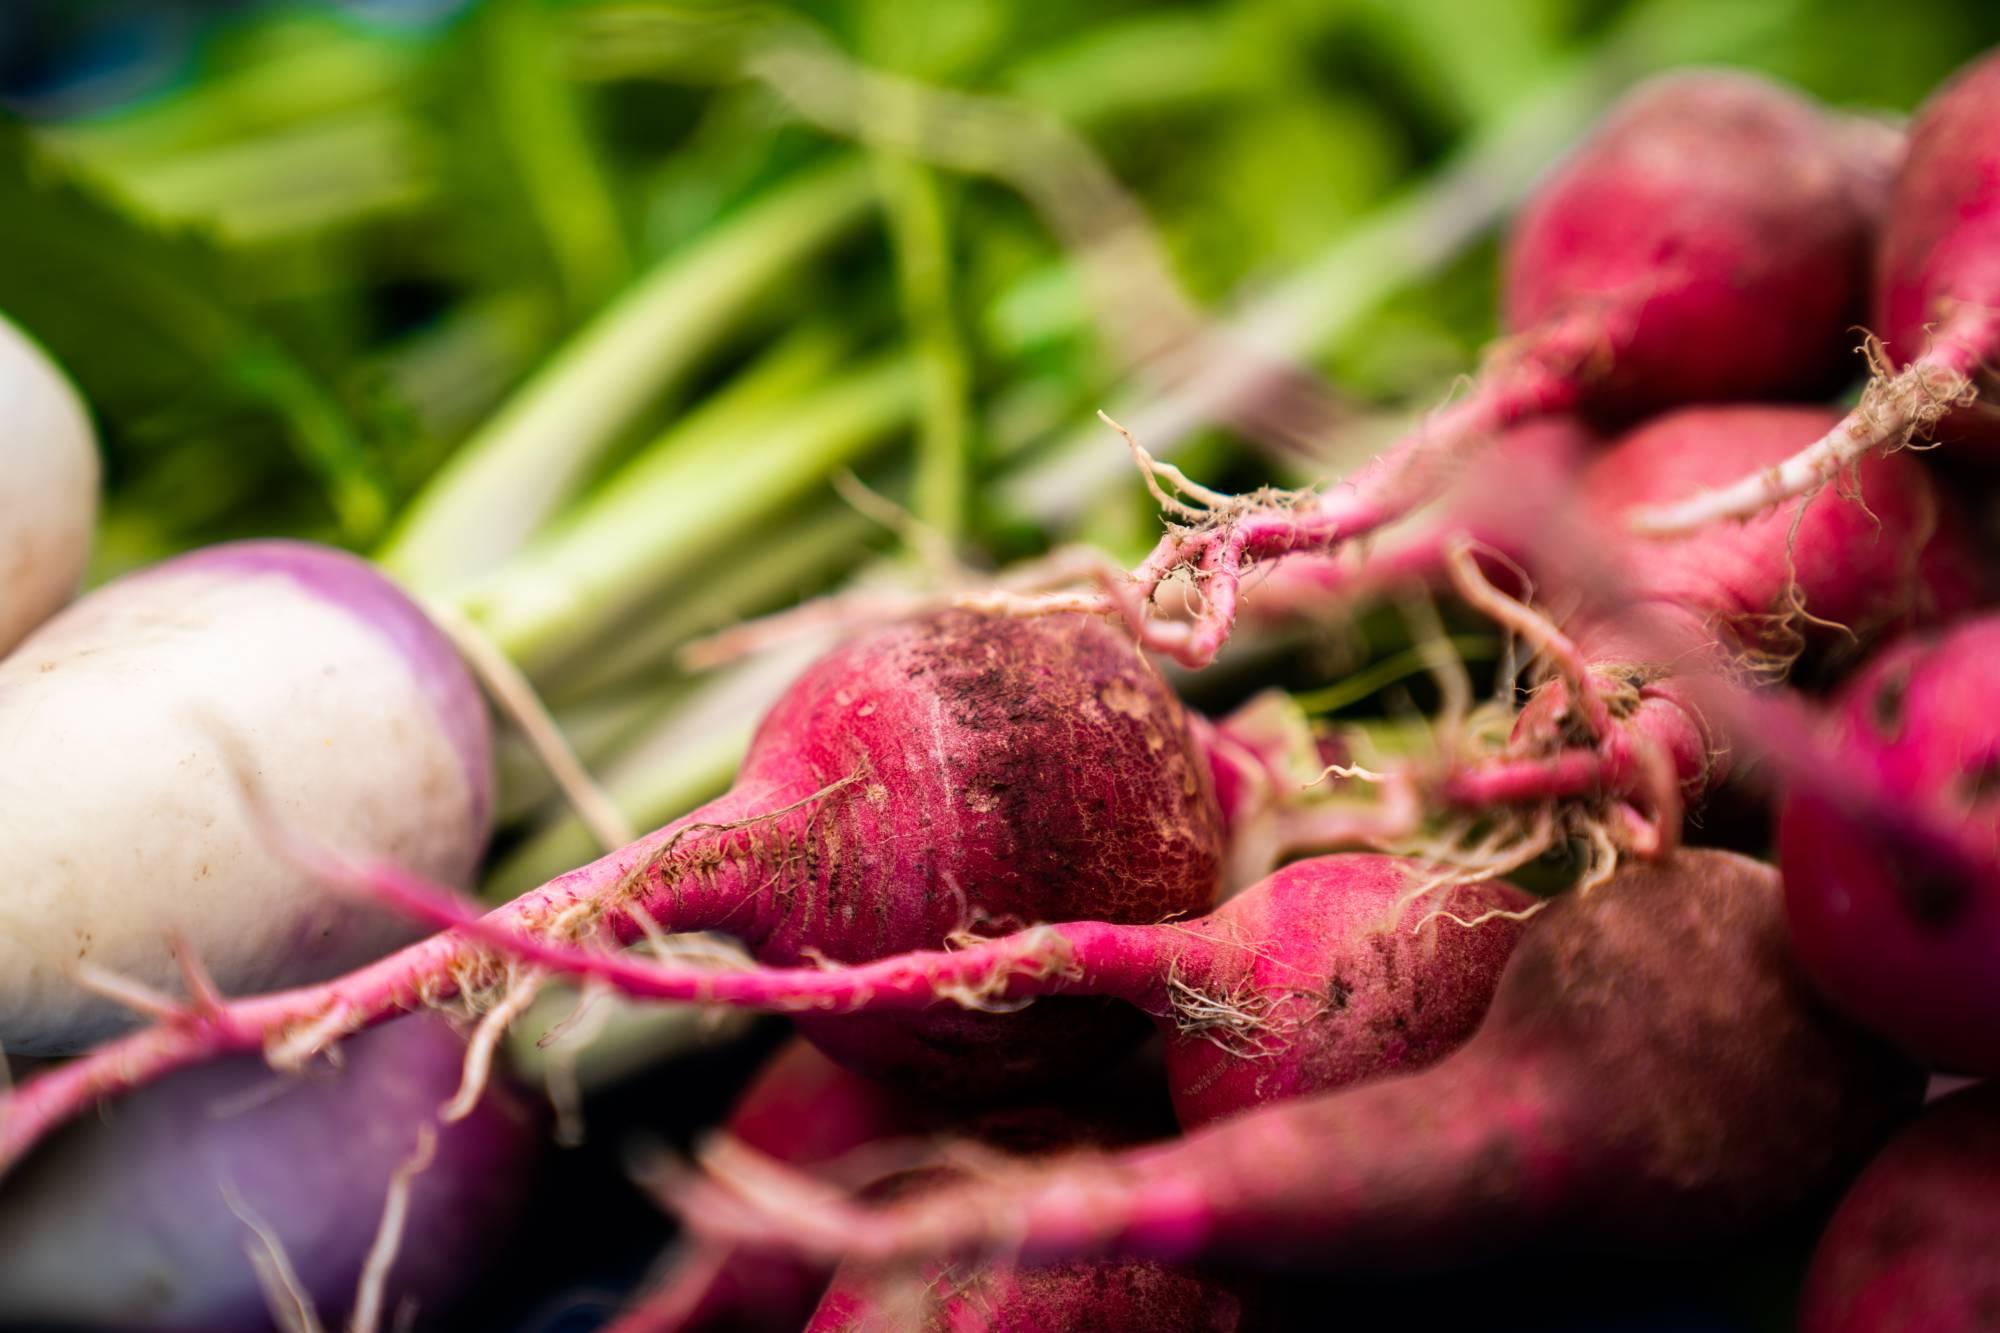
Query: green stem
676, 512
597, 730
1392, 246
503, 483
542, 128
800, 557
1397, 666
920, 234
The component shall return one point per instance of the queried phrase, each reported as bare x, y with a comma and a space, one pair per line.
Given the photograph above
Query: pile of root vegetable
1677, 949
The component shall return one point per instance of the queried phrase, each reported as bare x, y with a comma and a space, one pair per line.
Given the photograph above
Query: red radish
1911, 1249
1936, 304
1101, 1297
1902, 938
955, 772
1328, 972
48, 486
1709, 241
148, 1218
364, 729
806, 1111
1538, 457
1892, 554
1115, 1295
1653, 1065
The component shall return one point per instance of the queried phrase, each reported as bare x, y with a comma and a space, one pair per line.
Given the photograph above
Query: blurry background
577, 314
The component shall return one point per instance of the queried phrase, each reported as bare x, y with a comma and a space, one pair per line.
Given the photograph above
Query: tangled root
1237, 1022
1908, 404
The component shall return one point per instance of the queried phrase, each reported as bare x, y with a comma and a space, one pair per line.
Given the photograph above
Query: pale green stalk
678, 513
503, 483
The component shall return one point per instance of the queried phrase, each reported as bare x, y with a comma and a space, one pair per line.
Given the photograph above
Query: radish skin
1936, 305
1332, 970
1708, 242
1112, 1296
1893, 554
1896, 935
48, 486
1910, 1249
807, 1111
1653, 1065
116, 716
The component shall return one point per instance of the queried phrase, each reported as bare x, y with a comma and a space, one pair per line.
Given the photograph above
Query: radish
151, 1218
1710, 241
1333, 970
1327, 974
1542, 456
48, 486
1897, 934
1936, 304
1653, 1065
1620, 727
1112, 1113
1100, 1297
948, 773
361, 724
1911, 1249
804, 1110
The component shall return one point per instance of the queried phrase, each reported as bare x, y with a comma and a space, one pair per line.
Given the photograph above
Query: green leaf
145, 320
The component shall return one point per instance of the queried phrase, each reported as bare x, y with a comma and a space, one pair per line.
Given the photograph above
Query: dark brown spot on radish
1934, 898
1887, 705
1895, 1230
1981, 781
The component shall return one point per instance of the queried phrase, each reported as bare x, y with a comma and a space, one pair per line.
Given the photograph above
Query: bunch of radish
982, 854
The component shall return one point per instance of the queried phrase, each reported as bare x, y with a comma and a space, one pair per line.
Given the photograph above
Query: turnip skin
123, 1222
48, 486
123, 824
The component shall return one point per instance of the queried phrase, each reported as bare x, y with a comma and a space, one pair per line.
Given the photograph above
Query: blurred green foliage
296, 275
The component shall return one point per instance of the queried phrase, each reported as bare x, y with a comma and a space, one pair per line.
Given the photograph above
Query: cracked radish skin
124, 824
48, 486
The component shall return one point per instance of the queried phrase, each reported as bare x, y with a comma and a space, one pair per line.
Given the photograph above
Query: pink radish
1936, 304
1330, 971
1107, 1296
1911, 1248
804, 1110
1897, 933
1632, 738
1709, 241
1653, 1065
